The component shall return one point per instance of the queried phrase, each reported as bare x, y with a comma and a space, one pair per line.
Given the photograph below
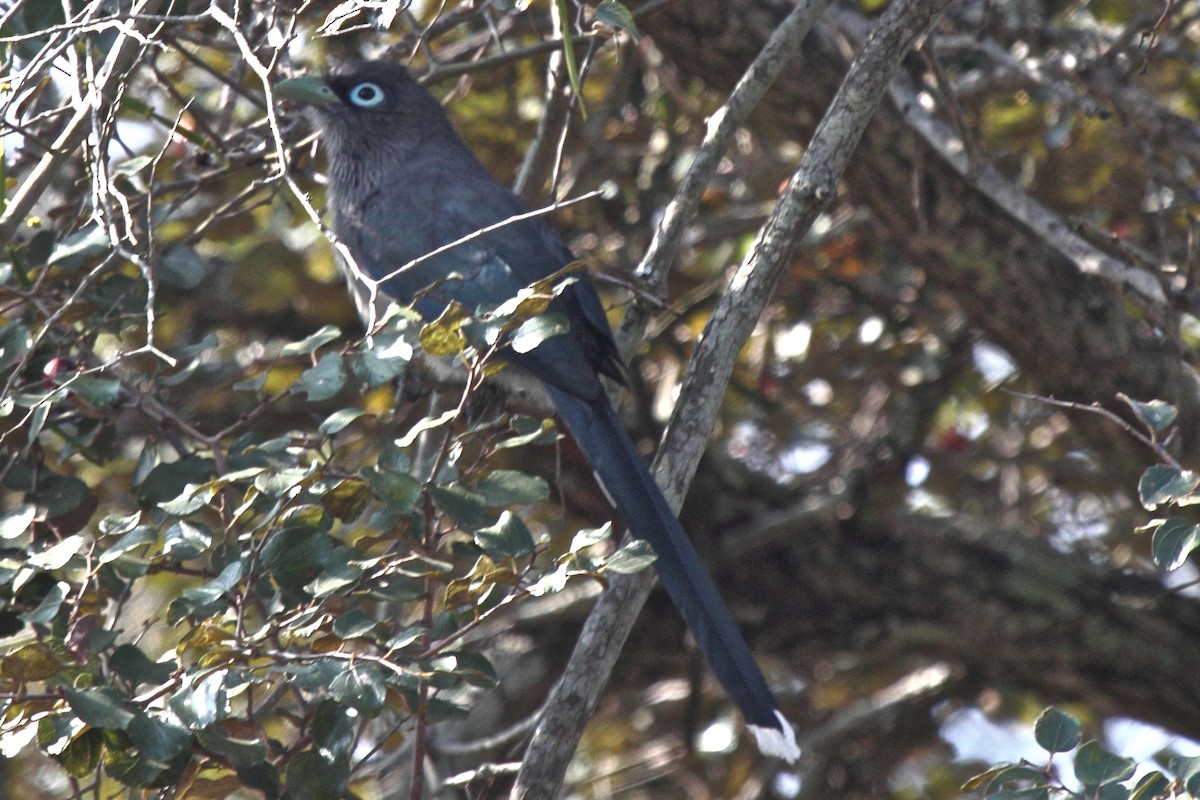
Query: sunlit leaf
508, 538
338, 420
633, 557
17, 521
1173, 541
1162, 484
311, 344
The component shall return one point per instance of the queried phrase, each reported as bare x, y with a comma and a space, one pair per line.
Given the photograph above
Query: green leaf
533, 332
157, 738
1095, 766
138, 537
1012, 775
134, 666
310, 777
294, 557
530, 430
1057, 731
474, 668
132, 166
166, 482
360, 686
347, 499
386, 361
262, 777
1187, 769
100, 708
444, 336
505, 487
47, 609
1152, 785
73, 251
395, 590
1173, 541
426, 424
239, 752
253, 384
334, 578
282, 483
31, 662
199, 704
354, 623
316, 676
97, 391
1156, 415
60, 494
15, 341
466, 507
1030, 793
190, 500
508, 538
633, 557
977, 781
58, 554
37, 420
398, 489
323, 381
17, 522
1113, 791
135, 770
81, 757
207, 599
1162, 484
182, 267
332, 732
185, 540
616, 15
118, 525
338, 420
550, 582
590, 536
310, 344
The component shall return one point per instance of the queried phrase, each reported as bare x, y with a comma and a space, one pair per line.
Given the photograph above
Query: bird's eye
366, 95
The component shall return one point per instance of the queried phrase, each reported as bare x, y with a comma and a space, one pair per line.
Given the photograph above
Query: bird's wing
410, 219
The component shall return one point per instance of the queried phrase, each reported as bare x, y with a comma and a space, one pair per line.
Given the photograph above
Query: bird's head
368, 112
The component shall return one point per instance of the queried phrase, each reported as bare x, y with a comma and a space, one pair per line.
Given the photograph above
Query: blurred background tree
245, 549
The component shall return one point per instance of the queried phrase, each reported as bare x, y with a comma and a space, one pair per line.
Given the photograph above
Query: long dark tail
624, 475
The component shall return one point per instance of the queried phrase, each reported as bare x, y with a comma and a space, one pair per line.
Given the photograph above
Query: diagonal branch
811, 189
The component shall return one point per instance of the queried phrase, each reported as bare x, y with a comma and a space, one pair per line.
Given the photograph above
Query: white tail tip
779, 742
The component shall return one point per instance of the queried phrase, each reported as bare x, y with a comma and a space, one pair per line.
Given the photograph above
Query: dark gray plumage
402, 184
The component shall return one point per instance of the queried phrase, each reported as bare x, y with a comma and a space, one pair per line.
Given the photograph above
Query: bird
403, 184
